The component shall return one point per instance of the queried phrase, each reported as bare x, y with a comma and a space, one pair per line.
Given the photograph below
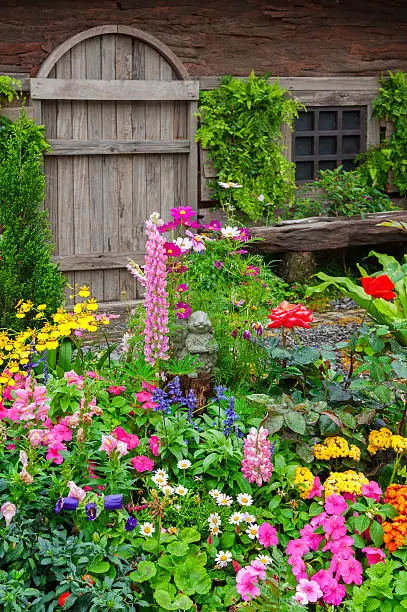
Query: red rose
290, 315
62, 598
379, 287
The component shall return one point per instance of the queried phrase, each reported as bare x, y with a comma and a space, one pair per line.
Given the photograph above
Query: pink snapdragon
73, 378
256, 465
156, 342
108, 445
8, 511
75, 491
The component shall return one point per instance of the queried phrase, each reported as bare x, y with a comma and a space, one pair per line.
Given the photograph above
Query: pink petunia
267, 535
142, 463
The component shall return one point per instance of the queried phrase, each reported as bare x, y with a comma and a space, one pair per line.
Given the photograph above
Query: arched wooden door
118, 107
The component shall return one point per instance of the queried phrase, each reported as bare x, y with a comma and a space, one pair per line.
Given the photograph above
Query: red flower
290, 315
62, 598
379, 286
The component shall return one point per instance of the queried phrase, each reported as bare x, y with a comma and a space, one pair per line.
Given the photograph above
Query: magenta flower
172, 249
267, 535
183, 310
246, 584
91, 511
317, 489
142, 463
252, 271
372, 490
213, 226
154, 444
182, 213
239, 252
53, 452
116, 389
182, 288
131, 440
309, 589
335, 504
218, 264
373, 555
333, 592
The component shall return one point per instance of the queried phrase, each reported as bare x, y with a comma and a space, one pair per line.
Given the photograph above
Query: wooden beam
97, 261
13, 112
107, 147
367, 85
92, 89
324, 233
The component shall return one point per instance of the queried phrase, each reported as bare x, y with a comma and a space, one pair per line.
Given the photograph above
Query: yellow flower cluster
304, 480
345, 482
384, 439
15, 350
335, 447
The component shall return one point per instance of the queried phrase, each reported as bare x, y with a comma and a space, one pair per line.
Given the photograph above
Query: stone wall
214, 37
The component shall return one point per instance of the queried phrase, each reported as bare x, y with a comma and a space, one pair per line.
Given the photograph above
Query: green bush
26, 269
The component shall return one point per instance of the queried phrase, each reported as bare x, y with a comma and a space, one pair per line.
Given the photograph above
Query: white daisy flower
159, 480
252, 531
167, 489
147, 529
161, 473
180, 490
264, 559
244, 499
184, 464
214, 519
224, 500
185, 244
215, 530
223, 558
236, 518
229, 184
249, 518
230, 232
260, 198
214, 493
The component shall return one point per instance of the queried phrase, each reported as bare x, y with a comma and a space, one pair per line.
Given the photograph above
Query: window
327, 137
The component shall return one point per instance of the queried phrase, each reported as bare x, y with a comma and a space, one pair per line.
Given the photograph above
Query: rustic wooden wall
213, 37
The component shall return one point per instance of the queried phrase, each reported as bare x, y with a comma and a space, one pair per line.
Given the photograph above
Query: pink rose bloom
309, 589
373, 555
75, 491
372, 490
108, 445
130, 439
267, 535
8, 510
154, 444
335, 504
246, 584
142, 463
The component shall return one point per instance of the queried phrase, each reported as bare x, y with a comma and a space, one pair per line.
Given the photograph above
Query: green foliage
374, 166
340, 193
385, 589
8, 88
391, 104
26, 269
241, 124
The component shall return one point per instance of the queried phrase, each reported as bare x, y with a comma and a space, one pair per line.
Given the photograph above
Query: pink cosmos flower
197, 241
373, 555
182, 288
252, 271
214, 225
92, 373
182, 213
131, 440
310, 589
116, 390
75, 491
267, 535
218, 264
183, 310
172, 249
154, 444
142, 463
372, 490
335, 504
8, 510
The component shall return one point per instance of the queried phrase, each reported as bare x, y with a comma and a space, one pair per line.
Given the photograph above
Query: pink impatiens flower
372, 490
142, 463
308, 589
154, 444
267, 535
335, 504
373, 555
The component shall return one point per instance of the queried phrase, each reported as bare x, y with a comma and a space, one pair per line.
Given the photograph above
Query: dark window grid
339, 157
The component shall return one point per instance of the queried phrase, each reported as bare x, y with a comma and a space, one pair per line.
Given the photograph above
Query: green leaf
305, 355
145, 571
362, 523
191, 578
259, 398
273, 424
209, 460
181, 601
177, 548
98, 566
190, 534
305, 452
376, 533
296, 422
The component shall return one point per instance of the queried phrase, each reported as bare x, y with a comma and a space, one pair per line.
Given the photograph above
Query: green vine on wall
241, 125
8, 88
391, 104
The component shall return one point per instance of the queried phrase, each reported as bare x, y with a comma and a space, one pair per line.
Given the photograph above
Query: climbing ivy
391, 104
241, 123
8, 88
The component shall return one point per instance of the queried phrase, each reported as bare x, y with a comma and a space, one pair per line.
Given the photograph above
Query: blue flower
131, 523
91, 511
191, 404
230, 417
163, 400
66, 503
174, 389
220, 393
113, 502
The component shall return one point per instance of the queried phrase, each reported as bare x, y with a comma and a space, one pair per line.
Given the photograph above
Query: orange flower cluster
395, 533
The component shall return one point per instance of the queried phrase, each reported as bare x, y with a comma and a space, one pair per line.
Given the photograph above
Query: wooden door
118, 107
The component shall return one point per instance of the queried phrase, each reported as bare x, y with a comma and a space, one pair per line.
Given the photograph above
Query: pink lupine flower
267, 535
372, 490
310, 589
8, 510
154, 444
75, 491
256, 465
142, 463
373, 555
108, 445
335, 504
